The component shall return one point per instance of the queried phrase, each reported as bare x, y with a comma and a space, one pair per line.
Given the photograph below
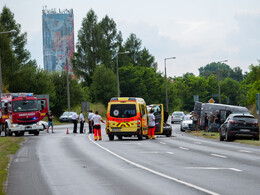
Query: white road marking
169, 152
184, 148
245, 151
162, 143
155, 172
217, 155
214, 168
197, 142
149, 152
233, 169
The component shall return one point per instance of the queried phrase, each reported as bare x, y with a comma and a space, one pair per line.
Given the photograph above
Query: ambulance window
123, 110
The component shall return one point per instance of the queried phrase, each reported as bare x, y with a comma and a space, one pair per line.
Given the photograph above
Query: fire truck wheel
36, 132
120, 137
7, 132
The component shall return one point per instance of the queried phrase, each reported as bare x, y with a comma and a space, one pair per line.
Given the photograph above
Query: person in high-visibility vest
96, 119
151, 125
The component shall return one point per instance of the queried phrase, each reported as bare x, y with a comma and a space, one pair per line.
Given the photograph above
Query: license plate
115, 129
245, 130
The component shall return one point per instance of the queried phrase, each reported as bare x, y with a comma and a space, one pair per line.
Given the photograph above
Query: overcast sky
196, 32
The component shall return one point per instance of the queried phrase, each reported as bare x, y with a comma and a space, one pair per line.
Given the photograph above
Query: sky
196, 32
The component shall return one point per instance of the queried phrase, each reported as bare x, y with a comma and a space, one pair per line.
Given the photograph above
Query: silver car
187, 123
66, 117
177, 116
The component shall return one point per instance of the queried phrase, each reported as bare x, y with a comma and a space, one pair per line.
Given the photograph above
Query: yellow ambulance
126, 117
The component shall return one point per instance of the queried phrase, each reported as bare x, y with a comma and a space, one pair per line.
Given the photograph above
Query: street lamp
117, 74
166, 95
219, 91
1, 80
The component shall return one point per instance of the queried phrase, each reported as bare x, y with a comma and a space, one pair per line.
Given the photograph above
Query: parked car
187, 123
177, 116
239, 124
66, 117
44, 124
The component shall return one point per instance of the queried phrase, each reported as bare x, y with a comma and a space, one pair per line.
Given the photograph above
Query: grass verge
8, 147
214, 135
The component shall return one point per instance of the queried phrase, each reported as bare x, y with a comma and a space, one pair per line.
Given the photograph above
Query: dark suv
239, 125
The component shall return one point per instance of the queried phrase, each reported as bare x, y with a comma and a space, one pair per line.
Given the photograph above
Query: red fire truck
22, 112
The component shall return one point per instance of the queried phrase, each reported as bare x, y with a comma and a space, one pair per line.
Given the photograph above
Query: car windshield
177, 113
123, 110
25, 106
243, 117
66, 114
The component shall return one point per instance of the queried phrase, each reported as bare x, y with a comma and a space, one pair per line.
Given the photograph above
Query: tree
111, 42
133, 45
104, 84
221, 71
230, 89
18, 39
87, 56
14, 56
77, 92
142, 82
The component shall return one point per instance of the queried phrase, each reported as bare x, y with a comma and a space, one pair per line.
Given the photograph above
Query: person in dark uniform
217, 120
206, 119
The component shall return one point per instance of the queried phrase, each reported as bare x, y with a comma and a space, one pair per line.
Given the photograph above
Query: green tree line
95, 65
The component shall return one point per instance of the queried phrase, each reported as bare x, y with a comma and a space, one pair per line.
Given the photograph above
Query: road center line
245, 151
217, 155
155, 172
184, 148
214, 168
197, 142
162, 143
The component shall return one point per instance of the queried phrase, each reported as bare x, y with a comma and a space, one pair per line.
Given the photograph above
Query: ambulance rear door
159, 116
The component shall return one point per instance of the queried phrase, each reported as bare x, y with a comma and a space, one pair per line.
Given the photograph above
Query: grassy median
8, 147
215, 135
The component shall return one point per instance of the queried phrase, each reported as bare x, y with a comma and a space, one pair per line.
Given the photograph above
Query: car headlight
39, 123
14, 125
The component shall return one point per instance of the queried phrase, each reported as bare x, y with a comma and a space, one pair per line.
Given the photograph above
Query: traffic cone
67, 130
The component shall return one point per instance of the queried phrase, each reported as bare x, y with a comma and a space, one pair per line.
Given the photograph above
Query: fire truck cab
22, 112
126, 117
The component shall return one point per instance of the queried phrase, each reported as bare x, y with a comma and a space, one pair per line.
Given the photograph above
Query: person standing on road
206, 119
90, 115
217, 120
75, 121
82, 121
151, 124
211, 121
194, 118
50, 123
97, 126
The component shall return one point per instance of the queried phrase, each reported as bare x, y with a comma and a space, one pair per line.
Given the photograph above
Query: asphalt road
64, 164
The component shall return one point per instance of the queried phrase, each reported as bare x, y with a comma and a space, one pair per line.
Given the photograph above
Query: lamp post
166, 94
219, 90
117, 74
68, 83
1, 80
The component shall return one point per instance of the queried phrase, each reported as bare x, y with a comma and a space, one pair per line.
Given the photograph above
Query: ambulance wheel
111, 137
140, 137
